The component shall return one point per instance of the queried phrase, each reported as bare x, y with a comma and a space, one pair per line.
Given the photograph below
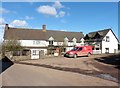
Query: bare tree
11, 46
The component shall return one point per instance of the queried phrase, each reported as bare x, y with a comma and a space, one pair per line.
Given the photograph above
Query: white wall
42, 43
112, 44
34, 43
38, 50
55, 43
70, 44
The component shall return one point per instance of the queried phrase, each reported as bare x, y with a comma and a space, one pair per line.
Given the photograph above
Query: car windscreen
75, 48
80, 49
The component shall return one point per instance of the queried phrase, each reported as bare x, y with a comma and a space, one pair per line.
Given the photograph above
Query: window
36, 42
107, 39
75, 48
50, 42
35, 52
51, 39
107, 50
25, 52
80, 49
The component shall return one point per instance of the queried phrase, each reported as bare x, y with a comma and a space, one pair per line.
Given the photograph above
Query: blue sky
68, 16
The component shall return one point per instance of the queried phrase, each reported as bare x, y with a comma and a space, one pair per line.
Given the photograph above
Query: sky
64, 16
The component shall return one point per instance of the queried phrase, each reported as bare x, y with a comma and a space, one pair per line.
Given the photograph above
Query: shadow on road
5, 63
112, 60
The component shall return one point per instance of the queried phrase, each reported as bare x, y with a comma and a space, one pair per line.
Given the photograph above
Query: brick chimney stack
6, 26
44, 28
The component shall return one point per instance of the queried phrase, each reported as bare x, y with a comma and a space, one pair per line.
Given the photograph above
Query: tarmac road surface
26, 75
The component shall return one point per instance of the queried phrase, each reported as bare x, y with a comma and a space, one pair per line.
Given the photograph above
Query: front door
107, 50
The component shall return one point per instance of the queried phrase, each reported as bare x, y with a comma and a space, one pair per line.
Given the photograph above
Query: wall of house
112, 44
42, 43
34, 43
70, 43
35, 53
55, 43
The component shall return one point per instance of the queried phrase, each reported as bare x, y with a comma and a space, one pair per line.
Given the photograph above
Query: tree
11, 46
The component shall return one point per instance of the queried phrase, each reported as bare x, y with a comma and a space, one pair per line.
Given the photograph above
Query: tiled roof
100, 33
39, 34
60, 35
24, 34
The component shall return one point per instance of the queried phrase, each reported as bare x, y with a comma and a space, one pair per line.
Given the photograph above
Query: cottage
103, 41
36, 40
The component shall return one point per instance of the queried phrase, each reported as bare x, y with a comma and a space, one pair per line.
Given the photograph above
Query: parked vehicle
79, 51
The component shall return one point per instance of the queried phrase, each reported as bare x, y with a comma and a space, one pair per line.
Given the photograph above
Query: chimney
6, 26
44, 28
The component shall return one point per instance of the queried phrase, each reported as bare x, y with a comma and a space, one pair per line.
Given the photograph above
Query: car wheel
75, 56
88, 54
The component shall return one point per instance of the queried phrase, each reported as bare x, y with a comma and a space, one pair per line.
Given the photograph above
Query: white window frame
51, 42
107, 38
35, 52
36, 42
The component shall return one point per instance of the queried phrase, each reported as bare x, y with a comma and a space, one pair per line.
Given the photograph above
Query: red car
79, 51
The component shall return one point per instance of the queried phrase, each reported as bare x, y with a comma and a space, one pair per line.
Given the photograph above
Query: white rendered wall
41, 43
38, 50
112, 44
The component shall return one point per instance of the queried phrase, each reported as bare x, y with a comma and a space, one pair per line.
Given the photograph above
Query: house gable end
112, 33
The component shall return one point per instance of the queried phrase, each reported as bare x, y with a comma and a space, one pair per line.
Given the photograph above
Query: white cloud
61, 13
18, 23
3, 10
2, 21
29, 18
48, 10
52, 10
58, 5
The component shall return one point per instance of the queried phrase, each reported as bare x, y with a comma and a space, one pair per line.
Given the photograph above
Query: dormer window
51, 40
107, 39
66, 41
82, 42
74, 41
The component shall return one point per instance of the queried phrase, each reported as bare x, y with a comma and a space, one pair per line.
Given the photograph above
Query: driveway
95, 65
28, 75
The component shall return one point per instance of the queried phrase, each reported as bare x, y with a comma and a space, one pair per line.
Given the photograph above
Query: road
26, 75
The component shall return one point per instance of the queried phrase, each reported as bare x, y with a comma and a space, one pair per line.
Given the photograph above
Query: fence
20, 58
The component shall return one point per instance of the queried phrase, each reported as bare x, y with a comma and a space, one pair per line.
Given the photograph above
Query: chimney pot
44, 28
6, 26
